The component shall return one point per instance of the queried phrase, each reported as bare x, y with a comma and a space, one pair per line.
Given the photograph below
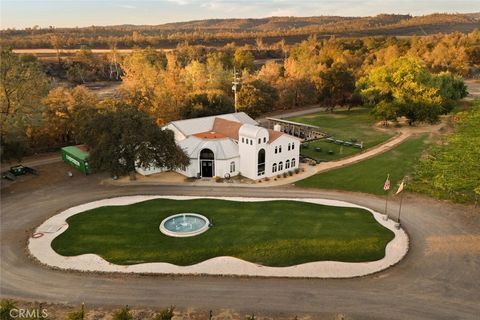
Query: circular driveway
438, 279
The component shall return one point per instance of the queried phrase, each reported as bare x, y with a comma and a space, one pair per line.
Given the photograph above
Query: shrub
77, 314
279, 176
217, 179
285, 174
267, 179
166, 314
123, 314
290, 173
297, 170
5, 307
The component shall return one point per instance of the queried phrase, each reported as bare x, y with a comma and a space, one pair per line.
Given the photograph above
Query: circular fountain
184, 225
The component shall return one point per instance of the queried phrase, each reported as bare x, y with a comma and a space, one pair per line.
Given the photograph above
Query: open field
261, 232
369, 175
355, 124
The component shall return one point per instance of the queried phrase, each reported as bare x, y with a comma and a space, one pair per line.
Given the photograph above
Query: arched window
206, 154
289, 147
261, 162
287, 164
232, 166
279, 149
274, 167
293, 145
276, 149
280, 166
293, 162
251, 142
259, 140
243, 140
264, 139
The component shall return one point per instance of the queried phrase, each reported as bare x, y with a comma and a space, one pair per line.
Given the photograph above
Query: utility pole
236, 84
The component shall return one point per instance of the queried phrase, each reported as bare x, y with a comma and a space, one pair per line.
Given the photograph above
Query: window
293, 146
274, 167
280, 166
259, 140
276, 150
261, 162
289, 147
232, 166
293, 162
251, 142
279, 149
287, 164
243, 139
264, 139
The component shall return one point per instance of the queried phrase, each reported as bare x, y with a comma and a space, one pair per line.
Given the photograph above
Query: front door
207, 168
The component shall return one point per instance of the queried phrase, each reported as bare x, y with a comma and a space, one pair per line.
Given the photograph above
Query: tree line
242, 31
413, 77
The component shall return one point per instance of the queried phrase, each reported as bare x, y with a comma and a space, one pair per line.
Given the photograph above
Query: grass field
271, 233
369, 175
344, 125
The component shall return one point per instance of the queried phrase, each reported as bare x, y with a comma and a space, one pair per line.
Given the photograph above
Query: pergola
297, 129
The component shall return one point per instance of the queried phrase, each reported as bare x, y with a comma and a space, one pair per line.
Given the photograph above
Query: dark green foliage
337, 86
5, 307
125, 137
259, 232
206, 104
257, 97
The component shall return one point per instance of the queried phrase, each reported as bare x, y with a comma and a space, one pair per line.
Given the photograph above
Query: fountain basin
184, 225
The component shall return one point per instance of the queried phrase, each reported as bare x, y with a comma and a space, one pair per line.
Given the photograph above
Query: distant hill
218, 32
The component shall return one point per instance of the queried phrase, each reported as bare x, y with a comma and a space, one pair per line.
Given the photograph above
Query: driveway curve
438, 279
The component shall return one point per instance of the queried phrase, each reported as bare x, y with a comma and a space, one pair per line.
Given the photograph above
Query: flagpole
400, 208
386, 196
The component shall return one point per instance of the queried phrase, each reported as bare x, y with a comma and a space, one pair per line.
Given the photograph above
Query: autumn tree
22, 88
65, 110
124, 138
406, 85
243, 59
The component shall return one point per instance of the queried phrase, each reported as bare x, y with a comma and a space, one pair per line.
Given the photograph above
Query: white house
231, 144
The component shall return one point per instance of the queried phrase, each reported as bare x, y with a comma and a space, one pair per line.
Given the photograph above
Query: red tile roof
225, 128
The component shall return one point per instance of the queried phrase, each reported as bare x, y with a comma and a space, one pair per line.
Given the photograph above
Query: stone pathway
39, 246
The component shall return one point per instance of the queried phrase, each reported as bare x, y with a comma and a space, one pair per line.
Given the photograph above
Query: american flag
386, 185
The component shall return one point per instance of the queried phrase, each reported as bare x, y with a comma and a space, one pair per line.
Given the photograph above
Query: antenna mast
236, 83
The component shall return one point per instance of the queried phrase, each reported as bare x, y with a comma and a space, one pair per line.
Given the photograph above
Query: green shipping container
76, 156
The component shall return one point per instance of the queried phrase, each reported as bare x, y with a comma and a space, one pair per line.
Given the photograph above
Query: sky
79, 13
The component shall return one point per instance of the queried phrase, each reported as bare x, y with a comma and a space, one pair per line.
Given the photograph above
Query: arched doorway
207, 163
261, 162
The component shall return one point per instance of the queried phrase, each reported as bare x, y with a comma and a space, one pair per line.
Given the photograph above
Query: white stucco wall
283, 156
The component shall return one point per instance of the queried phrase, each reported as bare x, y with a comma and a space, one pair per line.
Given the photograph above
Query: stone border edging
42, 250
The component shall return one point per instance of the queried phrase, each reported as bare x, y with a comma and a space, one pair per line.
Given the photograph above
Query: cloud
182, 2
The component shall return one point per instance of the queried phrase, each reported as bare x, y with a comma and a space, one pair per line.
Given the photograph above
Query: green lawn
271, 233
324, 155
343, 125
369, 175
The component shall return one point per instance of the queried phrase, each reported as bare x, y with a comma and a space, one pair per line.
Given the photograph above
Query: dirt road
437, 280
